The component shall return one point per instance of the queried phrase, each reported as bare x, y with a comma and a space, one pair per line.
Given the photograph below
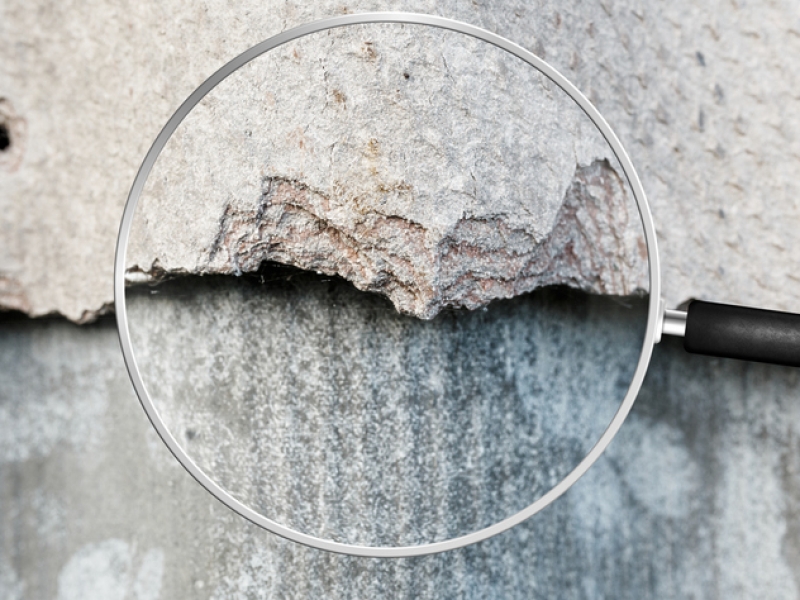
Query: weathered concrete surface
697, 497
704, 98
325, 410
421, 164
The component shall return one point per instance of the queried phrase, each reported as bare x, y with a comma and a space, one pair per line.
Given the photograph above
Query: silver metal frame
655, 313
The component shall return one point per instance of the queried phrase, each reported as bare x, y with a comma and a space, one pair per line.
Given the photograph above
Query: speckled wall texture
327, 409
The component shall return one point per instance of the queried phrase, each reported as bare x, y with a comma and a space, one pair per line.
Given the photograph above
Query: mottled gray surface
325, 410
704, 97
698, 497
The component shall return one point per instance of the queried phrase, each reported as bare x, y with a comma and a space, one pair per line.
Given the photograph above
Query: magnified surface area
387, 285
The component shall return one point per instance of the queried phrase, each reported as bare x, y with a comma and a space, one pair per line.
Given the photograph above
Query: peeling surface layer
592, 246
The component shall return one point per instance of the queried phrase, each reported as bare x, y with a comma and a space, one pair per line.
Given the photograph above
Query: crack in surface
594, 245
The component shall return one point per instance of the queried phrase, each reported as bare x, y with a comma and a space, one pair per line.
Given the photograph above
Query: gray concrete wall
697, 497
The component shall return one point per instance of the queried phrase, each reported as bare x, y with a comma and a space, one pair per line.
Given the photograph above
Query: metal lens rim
210, 84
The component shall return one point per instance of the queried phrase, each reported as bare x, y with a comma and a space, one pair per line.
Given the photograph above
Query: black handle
745, 333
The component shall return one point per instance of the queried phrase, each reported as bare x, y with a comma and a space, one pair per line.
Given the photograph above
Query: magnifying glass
297, 260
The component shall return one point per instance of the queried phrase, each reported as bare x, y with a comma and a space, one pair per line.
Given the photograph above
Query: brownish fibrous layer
593, 246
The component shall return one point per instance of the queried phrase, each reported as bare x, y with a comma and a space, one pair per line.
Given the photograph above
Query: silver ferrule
671, 322
674, 323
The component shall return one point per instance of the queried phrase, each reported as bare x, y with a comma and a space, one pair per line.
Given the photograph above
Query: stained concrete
696, 497
328, 412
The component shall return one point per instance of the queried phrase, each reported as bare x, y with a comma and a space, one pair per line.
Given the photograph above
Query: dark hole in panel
5, 137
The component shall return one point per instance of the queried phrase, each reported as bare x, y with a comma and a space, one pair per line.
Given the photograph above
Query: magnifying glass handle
737, 332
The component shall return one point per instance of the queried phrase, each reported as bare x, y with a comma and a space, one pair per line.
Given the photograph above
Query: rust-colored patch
368, 49
400, 186
373, 147
338, 96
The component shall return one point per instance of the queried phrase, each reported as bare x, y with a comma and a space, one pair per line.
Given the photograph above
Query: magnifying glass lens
387, 285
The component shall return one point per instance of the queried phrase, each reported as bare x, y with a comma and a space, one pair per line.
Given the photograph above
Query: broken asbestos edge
596, 245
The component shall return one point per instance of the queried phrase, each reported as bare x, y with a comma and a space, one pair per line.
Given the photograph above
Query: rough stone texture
421, 164
479, 259
703, 97
697, 497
